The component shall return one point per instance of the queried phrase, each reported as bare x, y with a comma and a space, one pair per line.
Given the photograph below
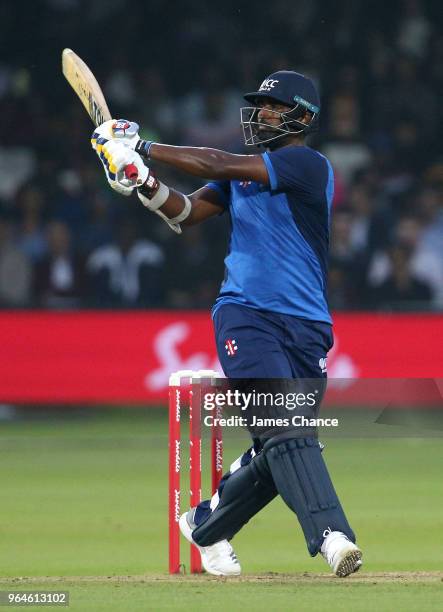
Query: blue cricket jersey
278, 249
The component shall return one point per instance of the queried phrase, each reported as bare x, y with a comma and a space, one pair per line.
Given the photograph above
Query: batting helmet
292, 89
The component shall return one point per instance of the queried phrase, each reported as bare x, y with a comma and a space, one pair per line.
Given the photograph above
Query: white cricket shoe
343, 556
218, 559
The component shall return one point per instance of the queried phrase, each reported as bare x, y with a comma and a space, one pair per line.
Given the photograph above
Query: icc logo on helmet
268, 84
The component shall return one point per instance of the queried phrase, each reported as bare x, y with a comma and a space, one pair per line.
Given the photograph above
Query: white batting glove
124, 161
121, 130
103, 131
126, 132
124, 168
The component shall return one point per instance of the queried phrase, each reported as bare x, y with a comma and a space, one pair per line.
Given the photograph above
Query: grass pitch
84, 508
385, 592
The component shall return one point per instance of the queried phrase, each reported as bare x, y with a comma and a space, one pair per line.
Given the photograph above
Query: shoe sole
351, 563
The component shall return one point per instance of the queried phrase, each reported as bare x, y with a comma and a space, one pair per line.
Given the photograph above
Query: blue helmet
286, 87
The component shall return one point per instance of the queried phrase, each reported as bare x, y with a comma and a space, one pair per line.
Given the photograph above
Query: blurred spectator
128, 273
31, 239
347, 263
428, 259
362, 207
159, 110
345, 147
422, 232
340, 295
104, 215
69, 205
59, 276
407, 148
22, 163
15, 271
401, 286
194, 283
414, 29
210, 116
119, 87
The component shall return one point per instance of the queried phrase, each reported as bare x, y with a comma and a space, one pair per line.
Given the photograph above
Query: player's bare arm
211, 163
206, 163
221, 165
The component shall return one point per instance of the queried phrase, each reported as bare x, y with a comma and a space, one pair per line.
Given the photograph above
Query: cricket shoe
343, 556
218, 559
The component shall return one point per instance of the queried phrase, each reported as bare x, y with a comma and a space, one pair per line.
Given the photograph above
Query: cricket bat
85, 85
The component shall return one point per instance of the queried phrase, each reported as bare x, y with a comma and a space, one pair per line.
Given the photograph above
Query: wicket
195, 382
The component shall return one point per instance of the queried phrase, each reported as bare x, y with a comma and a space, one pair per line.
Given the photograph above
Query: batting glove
126, 132
124, 168
121, 130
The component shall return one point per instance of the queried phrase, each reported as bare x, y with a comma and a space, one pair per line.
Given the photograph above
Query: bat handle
131, 172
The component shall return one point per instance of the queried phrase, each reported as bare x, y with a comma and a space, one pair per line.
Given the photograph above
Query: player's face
269, 120
269, 117
270, 112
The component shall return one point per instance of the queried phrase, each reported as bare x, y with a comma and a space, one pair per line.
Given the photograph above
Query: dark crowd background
68, 241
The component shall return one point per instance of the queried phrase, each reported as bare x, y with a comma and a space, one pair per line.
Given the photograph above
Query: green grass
211, 594
88, 497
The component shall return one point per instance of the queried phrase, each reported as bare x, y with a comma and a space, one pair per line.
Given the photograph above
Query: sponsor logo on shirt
231, 347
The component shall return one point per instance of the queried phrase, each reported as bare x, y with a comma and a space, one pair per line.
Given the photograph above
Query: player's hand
121, 130
122, 158
116, 158
126, 132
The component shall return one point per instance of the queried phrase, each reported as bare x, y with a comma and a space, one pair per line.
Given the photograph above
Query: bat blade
85, 85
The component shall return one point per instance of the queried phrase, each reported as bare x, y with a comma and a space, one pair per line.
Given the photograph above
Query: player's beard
278, 139
264, 132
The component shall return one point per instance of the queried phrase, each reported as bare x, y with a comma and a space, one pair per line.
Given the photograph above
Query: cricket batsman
273, 301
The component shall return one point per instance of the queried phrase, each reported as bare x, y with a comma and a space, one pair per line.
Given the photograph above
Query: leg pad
245, 492
302, 479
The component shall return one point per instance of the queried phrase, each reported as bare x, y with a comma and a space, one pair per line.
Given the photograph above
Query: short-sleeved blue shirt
277, 257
